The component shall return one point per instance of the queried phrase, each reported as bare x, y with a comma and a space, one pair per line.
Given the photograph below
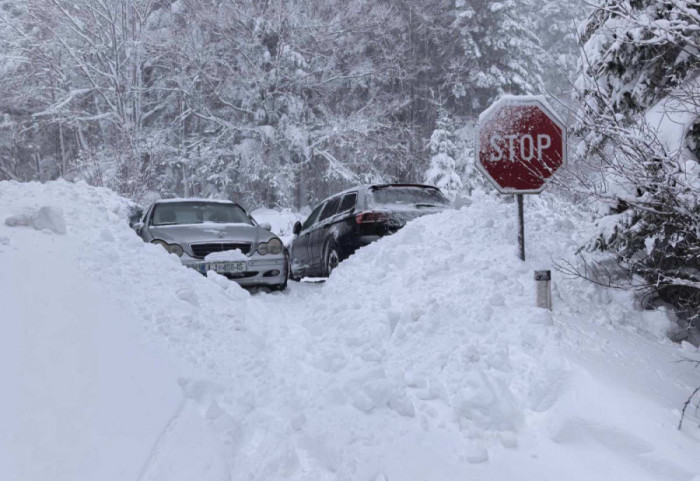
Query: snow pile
231, 255
434, 327
47, 217
421, 358
88, 393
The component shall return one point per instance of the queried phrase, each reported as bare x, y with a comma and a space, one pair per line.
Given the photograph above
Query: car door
300, 246
344, 225
318, 235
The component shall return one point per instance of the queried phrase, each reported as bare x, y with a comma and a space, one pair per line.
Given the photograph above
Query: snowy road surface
421, 358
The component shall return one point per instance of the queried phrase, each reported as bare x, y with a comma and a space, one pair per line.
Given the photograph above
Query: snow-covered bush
640, 99
636, 51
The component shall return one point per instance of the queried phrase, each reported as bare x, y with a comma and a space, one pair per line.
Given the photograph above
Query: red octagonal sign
521, 144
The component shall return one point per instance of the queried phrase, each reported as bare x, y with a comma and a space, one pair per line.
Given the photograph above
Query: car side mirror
297, 228
137, 227
135, 215
265, 225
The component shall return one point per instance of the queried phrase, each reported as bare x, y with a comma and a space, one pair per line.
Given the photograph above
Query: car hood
195, 233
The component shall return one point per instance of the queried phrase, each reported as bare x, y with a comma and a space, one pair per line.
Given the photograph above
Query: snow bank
89, 390
421, 358
434, 328
47, 217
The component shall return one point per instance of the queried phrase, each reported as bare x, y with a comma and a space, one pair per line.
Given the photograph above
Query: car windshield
408, 195
173, 213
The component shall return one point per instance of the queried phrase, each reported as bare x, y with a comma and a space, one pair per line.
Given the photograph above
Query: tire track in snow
156, 451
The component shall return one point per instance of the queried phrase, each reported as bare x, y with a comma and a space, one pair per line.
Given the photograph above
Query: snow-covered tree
501, 53
273, 102
442, 167
556, 24
640, 100
636, 52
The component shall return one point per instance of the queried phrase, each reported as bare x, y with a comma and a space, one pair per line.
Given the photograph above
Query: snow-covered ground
420, 358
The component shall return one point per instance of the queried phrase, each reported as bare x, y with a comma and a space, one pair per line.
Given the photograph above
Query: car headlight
171, 248
262, 248
274, 246
175, 249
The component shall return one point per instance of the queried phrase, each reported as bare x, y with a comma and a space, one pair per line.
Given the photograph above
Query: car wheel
331, 260
283, 286
290, 272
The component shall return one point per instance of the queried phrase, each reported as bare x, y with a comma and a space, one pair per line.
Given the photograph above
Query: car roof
193, 199
422, 186
377, 186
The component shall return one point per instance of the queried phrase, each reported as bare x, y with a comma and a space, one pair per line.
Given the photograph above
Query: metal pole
543, 281
521, 227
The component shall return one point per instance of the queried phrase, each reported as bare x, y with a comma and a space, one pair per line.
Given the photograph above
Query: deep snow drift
421, 358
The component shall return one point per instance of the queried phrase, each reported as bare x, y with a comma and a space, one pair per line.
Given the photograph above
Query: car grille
203, 250
240, 275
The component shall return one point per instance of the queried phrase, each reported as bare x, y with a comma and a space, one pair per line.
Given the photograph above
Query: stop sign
520, 145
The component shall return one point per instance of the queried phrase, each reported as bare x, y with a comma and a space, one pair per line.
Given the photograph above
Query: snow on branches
275, 103
640, 104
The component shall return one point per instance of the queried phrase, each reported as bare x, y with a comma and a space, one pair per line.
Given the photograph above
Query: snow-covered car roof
379, 186
193, 199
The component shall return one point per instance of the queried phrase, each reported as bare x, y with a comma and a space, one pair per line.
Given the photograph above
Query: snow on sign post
521, 143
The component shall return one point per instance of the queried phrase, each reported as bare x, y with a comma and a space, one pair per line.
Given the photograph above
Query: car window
174, 213
147, 216
329, 209
348, 202
408, 195
312, 218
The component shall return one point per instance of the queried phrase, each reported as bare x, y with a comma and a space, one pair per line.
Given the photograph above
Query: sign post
521, 227
521, 143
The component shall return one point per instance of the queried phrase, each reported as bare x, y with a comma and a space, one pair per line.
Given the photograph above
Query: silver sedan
217, 236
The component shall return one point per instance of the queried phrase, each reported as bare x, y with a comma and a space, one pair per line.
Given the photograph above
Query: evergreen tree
442, 168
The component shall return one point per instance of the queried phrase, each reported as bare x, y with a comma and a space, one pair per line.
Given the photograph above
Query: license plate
228, 267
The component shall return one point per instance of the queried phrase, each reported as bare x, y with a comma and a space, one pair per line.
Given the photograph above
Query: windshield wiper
421, 204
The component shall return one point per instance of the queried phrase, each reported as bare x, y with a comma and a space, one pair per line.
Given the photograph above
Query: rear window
408, 195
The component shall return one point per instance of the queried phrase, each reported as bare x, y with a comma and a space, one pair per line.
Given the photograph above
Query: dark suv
341, 224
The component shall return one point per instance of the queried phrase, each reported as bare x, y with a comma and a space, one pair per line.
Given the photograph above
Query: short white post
543, 283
